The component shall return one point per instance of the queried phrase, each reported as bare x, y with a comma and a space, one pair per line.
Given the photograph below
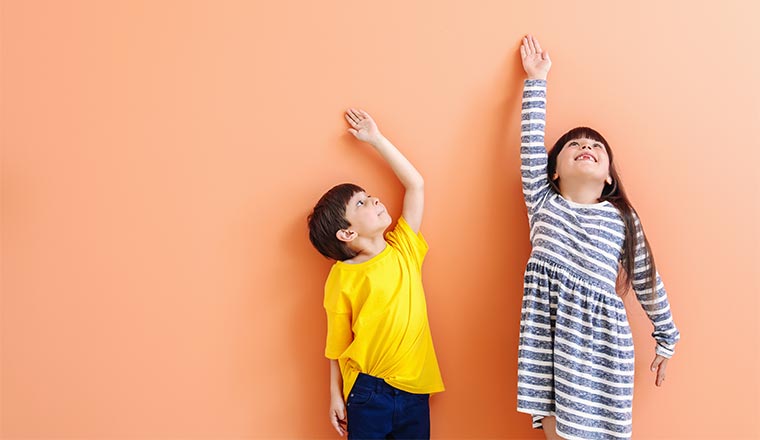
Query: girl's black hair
615, 194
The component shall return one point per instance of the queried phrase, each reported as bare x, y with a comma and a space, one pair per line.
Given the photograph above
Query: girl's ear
555, 176
608, 180
346, 235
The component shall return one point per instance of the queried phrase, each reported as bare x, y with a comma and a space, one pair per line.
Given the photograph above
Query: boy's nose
377, 200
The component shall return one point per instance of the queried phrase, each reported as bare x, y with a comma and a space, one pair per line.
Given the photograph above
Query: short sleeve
338, 309
339, 334
412, 245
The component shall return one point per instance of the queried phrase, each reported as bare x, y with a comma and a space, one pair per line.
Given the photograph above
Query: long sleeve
656, 306
533, 158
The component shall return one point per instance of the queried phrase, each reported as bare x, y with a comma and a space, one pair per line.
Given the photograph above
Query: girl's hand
659, 364
363, 127
535, 61
338, 415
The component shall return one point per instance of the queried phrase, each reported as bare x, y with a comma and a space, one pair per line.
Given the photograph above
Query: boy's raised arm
364, 128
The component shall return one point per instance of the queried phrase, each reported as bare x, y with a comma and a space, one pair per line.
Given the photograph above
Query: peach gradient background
160, 157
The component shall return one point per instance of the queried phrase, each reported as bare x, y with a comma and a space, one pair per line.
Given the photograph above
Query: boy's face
368, 217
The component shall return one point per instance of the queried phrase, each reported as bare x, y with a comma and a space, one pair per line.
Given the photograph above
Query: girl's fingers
656, 363
526, 45
661, 375
350, 119
538, 46
659, 364
522, 51
532, 44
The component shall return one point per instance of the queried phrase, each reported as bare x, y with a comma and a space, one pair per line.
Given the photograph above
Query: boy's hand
535, 61
659, 364
363, 127
338, 415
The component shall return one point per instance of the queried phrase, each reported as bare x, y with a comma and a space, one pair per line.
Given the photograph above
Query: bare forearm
336, 380
364, 128
404, 170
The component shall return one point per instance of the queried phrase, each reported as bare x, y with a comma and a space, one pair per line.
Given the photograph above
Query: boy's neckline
367, 261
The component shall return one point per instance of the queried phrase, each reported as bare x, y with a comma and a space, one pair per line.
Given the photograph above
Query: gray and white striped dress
575, 357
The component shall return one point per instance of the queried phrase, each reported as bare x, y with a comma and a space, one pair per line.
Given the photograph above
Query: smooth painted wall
159, 159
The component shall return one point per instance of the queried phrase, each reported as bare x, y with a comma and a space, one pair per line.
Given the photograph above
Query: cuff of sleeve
535, 83
664, 352
332, 355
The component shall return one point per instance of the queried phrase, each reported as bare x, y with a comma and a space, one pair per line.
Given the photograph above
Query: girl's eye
573, 144
598, 145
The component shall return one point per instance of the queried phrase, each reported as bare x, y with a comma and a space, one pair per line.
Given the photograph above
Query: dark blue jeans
377, 410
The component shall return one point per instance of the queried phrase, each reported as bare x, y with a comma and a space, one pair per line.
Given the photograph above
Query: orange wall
160, 157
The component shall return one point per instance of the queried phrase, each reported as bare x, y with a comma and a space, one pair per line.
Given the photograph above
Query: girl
575, 360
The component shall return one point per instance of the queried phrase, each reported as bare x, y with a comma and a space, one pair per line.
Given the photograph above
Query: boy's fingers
352, 114
336, 423
350, 120
522, 51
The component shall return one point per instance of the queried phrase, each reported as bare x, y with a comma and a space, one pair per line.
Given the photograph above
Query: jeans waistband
377, 384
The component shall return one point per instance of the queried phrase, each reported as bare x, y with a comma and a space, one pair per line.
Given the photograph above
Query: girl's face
583, 158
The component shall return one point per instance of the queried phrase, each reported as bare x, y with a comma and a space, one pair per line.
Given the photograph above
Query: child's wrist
378, 140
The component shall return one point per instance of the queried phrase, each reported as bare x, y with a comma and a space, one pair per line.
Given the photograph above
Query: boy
382, 361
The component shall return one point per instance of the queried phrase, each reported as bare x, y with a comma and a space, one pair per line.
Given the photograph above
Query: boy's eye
360, 203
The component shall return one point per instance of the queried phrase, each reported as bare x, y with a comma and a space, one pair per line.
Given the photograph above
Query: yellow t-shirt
377, 320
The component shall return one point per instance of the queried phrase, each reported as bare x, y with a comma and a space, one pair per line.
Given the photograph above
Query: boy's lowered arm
337, 405
364, 128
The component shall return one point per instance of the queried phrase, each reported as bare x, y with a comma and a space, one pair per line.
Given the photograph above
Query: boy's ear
346, 235
555, 176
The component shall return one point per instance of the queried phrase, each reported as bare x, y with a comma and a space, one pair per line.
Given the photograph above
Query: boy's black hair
329, 217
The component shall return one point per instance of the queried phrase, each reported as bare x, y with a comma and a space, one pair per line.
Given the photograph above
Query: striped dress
575, 357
